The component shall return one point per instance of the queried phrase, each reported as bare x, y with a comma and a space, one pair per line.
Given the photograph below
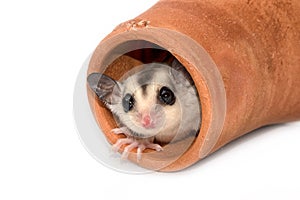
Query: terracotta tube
243, 55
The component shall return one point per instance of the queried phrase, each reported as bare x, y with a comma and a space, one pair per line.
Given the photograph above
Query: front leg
140, 143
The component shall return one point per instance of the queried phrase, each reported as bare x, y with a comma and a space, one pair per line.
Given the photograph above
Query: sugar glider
154, 105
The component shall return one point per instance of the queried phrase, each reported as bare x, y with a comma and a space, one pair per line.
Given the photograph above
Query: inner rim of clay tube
197, 62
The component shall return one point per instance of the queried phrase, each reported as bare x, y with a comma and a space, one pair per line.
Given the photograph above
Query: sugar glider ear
107, 89
180, 74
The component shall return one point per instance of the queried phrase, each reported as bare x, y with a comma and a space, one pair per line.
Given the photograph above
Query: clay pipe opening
120, 53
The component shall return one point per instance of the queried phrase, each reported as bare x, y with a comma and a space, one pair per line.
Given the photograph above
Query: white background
42, 47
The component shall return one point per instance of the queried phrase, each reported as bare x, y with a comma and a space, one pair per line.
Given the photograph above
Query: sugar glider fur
154, 105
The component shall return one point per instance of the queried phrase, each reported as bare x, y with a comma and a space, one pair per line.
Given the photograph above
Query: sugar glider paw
121, 130
132, 143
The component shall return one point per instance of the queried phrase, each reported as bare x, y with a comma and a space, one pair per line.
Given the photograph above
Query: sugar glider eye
166, 96
128, 102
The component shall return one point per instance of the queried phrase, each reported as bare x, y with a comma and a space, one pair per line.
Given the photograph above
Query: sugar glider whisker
156, 104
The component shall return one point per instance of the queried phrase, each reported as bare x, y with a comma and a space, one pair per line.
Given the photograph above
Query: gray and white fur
154, 104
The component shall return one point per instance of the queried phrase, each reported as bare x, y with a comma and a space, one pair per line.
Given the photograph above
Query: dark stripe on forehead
144, 89
145, 77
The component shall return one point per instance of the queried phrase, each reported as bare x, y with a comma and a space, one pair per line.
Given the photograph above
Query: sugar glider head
148, 102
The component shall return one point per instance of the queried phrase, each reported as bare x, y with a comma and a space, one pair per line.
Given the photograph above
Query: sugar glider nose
147, 121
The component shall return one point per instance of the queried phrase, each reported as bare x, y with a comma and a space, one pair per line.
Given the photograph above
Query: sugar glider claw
132, 143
